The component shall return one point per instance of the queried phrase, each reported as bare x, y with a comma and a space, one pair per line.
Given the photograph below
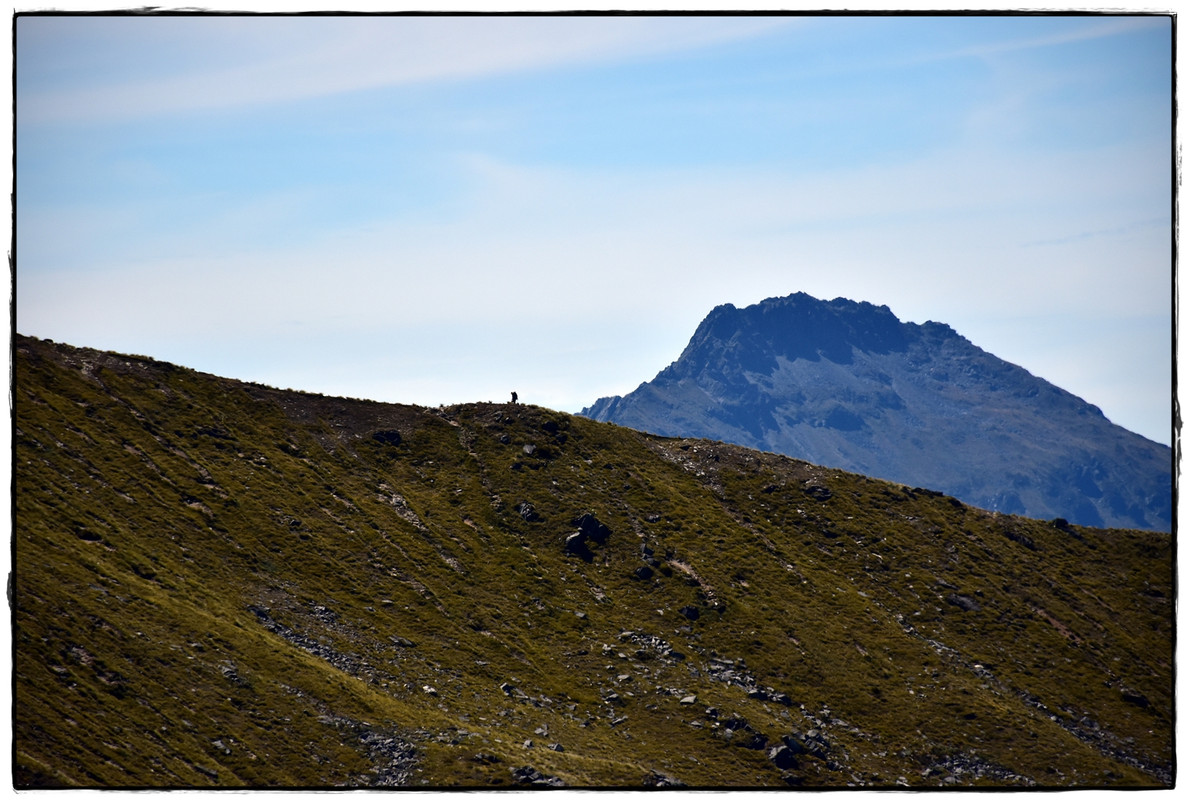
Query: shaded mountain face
848, 385
219, 584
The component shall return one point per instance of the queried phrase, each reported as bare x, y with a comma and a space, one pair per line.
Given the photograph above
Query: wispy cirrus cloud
1092, 28
214, 63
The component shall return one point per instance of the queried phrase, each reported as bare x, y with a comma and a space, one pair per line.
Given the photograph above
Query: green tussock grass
224, 584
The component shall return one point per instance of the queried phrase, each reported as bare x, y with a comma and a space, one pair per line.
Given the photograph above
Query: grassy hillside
223, 584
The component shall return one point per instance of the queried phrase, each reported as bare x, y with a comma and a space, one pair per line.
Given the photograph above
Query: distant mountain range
848, 385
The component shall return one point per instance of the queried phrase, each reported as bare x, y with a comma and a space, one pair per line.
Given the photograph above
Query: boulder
818, 492
792, 743
1135, 698
782, 757
758, 741
660, 781
528, 775
589, 529
576, 543
594, 530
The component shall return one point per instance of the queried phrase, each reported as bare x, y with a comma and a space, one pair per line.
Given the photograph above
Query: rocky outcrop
589, 530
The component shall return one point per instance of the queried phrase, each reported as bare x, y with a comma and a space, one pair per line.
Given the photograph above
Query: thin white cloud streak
971, 235
301, 58
1093, 28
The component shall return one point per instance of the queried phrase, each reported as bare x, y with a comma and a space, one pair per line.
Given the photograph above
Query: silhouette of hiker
515, 397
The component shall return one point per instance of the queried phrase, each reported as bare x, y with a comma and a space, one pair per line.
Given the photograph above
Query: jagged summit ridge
801, 326
847, 384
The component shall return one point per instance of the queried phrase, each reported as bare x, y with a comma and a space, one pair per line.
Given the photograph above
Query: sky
445, 209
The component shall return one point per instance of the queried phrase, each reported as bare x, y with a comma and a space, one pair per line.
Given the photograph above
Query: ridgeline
221, 584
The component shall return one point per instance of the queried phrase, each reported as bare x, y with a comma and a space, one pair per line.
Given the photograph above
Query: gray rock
782, 757
661, 781
528, 775
207, 771
963, 602
594, 530
589, 529
576, 543
818, 492
1135, 698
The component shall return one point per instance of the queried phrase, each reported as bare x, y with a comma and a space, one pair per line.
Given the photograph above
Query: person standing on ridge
515, 397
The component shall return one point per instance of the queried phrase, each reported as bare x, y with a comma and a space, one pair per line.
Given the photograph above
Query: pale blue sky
443, 209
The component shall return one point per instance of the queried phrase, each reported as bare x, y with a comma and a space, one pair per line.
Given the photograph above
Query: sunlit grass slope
224, 584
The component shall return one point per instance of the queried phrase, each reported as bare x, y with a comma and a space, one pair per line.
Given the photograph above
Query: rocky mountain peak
846, 384
796, 326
